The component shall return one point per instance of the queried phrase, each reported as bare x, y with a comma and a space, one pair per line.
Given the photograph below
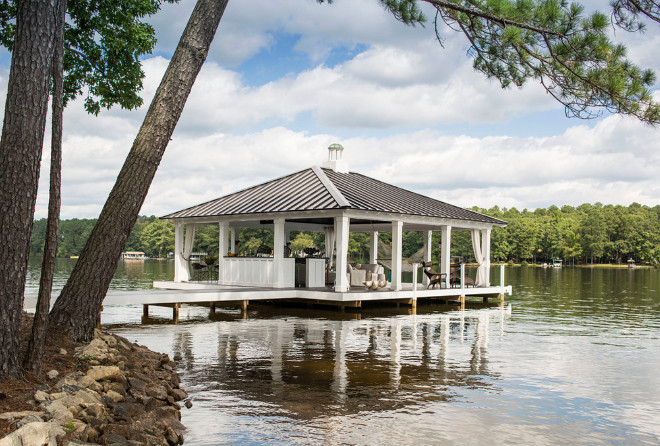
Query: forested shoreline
589, 233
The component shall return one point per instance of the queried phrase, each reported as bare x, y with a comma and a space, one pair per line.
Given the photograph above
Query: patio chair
199, 271
455, 279
435, 277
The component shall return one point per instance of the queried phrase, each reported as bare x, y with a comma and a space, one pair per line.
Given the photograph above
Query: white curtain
188, 242
482, 278
329, 242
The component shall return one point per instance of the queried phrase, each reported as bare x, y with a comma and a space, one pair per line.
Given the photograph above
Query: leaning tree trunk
35, 348
20, 156
77, 309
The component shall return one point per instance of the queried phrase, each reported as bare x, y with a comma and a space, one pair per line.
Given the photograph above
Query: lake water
573, 357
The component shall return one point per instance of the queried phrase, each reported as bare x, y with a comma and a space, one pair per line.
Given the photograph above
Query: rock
78, 443
178, 394
116, 397
137, 384
99, 373
188, 403
37, 434
110, 340
29, 419
58, 411
11, 416
171, 436
178, 357
63, 352
44, 387
158, 392
52, 374
112, 439
94, 410
40, 396
86, 381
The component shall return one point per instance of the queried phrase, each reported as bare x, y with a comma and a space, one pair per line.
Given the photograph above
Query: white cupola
335, 161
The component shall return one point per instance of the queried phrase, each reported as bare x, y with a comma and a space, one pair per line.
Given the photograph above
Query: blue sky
285, 79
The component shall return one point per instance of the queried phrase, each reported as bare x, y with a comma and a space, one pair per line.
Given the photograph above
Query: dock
175, 294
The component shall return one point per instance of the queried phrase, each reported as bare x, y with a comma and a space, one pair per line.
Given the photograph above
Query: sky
286, 79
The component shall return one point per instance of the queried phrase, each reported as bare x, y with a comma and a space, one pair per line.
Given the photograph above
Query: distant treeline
585, 234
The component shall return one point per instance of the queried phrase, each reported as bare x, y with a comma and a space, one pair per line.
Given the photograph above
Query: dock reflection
315, 367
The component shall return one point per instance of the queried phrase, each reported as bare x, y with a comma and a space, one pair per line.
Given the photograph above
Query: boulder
11, 416
40, 396
99, 373
52, 374
34, 434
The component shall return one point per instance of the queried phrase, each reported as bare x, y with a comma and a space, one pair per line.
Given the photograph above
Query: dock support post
145, 310
212, 308
485, 299
244, 306
175, 313
502, 279
501, 297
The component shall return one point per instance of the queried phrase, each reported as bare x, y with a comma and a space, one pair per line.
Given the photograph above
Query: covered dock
332, 200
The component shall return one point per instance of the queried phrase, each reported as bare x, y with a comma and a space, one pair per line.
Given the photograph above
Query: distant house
133, 255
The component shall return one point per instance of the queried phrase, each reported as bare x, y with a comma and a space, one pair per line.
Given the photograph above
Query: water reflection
307, 368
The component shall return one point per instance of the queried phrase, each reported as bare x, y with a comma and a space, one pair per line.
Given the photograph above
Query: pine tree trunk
20, 156
35, 348
77, 308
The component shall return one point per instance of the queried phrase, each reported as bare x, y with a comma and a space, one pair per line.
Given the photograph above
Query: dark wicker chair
435, 278
455, 279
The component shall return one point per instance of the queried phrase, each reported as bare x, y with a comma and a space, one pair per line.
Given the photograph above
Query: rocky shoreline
128, 395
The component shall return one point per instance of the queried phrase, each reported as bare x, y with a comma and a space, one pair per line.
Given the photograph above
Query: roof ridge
331, 188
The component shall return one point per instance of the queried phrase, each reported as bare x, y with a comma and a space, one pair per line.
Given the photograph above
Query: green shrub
524, 263
510, 263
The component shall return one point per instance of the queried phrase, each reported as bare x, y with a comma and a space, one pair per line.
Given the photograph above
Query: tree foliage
552, 42
589, 233
103, 43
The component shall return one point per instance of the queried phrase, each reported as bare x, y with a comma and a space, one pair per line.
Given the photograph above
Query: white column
445, 253
180, 264
232, 243
397, 257
373, 247
485, 251
278, 251
341, 231
428, 236
223, 227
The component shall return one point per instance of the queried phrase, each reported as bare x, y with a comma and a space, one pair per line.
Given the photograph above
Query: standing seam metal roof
304, 191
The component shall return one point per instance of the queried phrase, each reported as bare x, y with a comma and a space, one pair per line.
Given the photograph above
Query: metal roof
324, 189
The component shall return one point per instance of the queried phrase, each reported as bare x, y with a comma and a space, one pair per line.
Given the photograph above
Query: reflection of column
444, 338
426, 344
479, 358
461, 327
276, 349
339, 374
183, 346
395, 353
